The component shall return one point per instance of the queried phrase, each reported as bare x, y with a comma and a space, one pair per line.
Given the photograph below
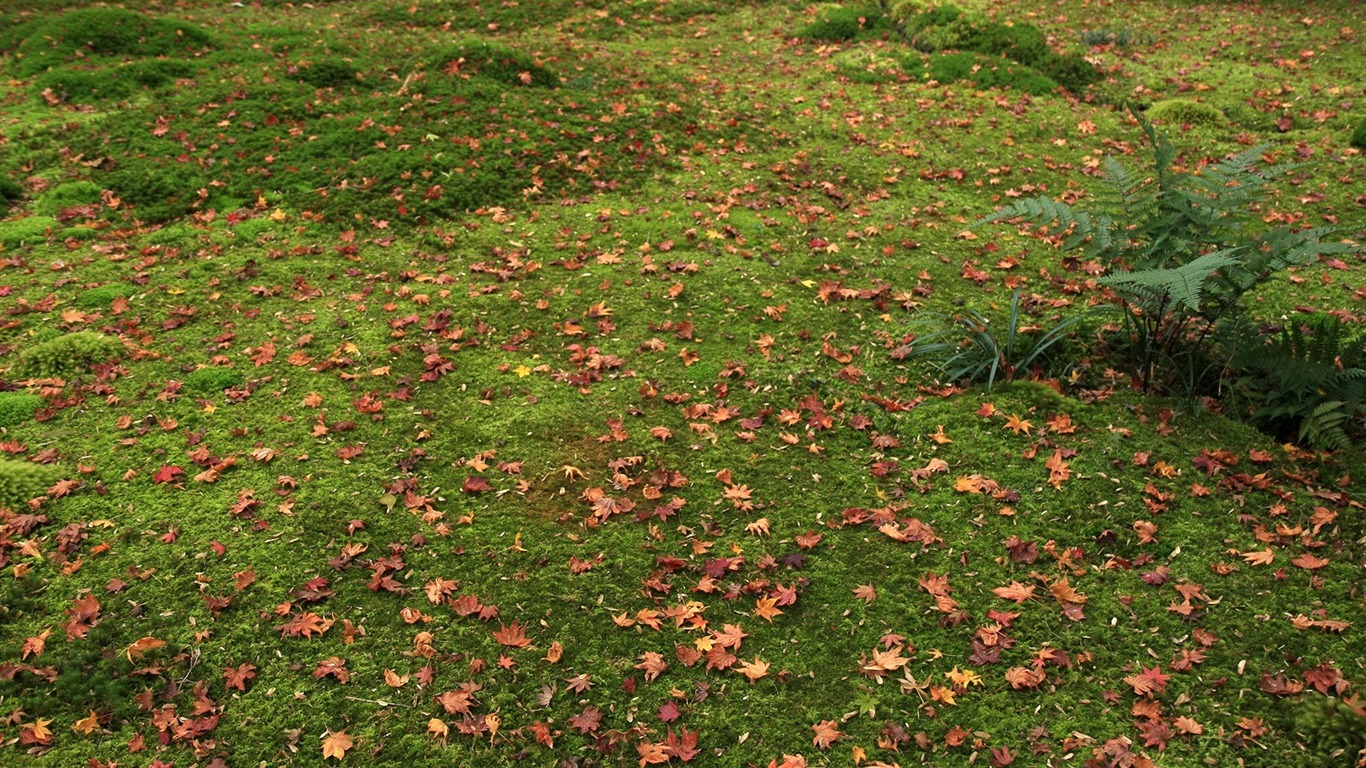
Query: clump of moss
158, 192
26, 231
68, 195
326, 73
23, 480
11, 192
1185, 112
849, 22
865, 66
1359, 135
212, 379
103, 296
1331, 728
18, 407
59, 40
500, 63
69, 353
989, 72
947, 28
107, 81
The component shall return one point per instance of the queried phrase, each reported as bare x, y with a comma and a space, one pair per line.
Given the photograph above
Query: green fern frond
1182, 286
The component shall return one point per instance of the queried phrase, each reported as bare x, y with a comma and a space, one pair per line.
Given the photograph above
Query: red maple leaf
1148, 682
512, 635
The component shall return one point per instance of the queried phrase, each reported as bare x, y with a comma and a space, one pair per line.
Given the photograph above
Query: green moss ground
591, 314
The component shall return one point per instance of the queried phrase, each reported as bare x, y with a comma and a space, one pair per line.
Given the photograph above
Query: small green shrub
23, 480
1180, 112
18, 407
101, 297
500, 63
67, 195
58, 40
1359, 135
69, 353
27, 231
212, 379
849, 22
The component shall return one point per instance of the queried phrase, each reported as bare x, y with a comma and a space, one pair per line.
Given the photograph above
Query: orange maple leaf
754, 669
1015, 591
336, 744
827, 733
1018, 425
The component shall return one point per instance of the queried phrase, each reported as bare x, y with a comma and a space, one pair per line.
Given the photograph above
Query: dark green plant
23, 480
212, 379
18, 407
1359, 135
1181, 250
970, 347
70, 353
1307, 383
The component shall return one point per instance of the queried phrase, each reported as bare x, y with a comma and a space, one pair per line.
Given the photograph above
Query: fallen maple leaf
87, 725
141, 646
1148, 682
1015, 591
754, 669
512, 635
336, 744
827, 733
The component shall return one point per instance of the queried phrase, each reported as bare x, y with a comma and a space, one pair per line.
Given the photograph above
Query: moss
1359, 135
496, 62
26, 231
327, 73
846, 23
18, 407
11, 192
101, 297
69, 353
59, 40
212, 379
866, 66
989, 72
23, 480
1185, 112
66, 195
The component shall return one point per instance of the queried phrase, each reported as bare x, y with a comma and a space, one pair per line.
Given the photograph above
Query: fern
1181, 248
